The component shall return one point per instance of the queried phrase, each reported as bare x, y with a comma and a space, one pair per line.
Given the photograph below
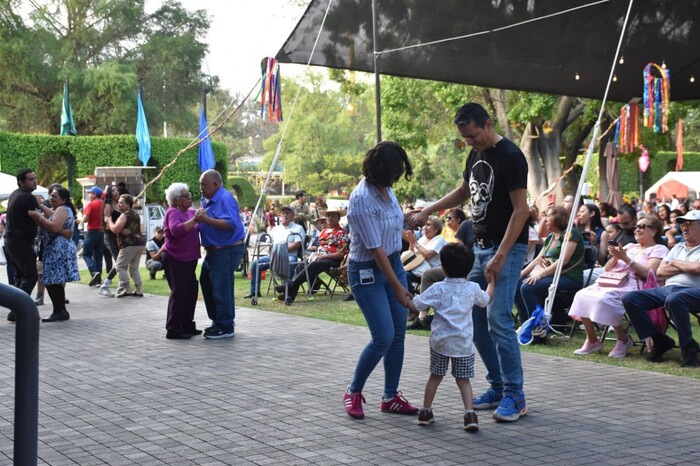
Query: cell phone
612, 243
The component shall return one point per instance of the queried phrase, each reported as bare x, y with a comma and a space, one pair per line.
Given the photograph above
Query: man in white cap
679, 296
332, 249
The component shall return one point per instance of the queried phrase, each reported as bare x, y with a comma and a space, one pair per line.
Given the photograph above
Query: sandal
138, 294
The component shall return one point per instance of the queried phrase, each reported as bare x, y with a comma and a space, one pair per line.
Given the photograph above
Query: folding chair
280, 279
263, 248
336, 278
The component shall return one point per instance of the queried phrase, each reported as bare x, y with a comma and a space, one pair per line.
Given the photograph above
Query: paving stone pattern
114, 391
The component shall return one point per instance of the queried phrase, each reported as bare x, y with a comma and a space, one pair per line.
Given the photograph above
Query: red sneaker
398, 405
353, 405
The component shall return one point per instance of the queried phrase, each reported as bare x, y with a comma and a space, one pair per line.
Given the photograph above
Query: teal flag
67, 123
142, 135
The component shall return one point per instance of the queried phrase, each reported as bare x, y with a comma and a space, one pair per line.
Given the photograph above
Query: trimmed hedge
246, 194
19, 151
661, 163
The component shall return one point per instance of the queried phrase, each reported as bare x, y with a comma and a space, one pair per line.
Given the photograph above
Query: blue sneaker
512, 407
489, 399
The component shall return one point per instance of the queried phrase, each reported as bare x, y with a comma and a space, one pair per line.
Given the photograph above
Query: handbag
613, 279
658, 315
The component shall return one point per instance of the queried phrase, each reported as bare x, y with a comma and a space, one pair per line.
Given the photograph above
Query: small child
451, 336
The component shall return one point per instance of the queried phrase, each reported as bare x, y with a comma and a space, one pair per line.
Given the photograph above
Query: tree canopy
105, 48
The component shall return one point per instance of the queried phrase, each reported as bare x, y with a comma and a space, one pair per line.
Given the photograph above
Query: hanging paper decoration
679, 146
627, 129
657, 95
644, 160
270, 90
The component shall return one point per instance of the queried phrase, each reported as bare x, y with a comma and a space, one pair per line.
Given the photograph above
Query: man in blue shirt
222, 235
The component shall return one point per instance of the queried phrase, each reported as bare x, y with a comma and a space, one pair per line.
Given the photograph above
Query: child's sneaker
425, 417
398, 405
512, 407
471, 422
489, 399
353, 405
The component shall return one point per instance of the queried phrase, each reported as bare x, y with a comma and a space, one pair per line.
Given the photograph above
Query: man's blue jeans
263, 263
494, 332
94, 250
216, 279
679, 302
386, 319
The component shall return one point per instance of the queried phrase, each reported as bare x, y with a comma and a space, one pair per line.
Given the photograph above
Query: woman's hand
532, 279
402, 295
618, 253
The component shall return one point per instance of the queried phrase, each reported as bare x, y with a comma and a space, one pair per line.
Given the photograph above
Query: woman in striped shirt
377, 277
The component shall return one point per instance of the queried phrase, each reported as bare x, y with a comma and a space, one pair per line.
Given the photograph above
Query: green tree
328, 135
105, 48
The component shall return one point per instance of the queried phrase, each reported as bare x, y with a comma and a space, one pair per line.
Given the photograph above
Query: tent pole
377, 87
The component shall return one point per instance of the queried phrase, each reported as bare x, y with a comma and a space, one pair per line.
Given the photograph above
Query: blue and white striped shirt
374, 222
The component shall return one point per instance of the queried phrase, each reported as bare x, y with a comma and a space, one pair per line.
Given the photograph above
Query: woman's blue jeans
386, 319
494, 333
528, 297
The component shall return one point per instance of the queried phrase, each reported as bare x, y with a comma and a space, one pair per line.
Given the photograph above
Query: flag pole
69, 158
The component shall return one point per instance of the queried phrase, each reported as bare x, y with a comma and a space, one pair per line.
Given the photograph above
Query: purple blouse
181, 245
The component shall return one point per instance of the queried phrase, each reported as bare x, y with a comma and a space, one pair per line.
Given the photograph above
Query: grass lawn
336, 310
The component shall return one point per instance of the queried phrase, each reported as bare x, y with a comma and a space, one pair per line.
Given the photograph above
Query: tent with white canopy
8, 183
682, 184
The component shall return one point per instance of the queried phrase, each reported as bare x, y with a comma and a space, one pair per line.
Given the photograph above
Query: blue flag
206, 153
67, 124
142, 135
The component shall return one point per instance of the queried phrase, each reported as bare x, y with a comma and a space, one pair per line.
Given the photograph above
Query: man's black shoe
250, 295
349, 297
153, 275
414, 325
689, 355
194, 332
96, 279
279, 288
11, 317
178, 335
662, 343
57, 317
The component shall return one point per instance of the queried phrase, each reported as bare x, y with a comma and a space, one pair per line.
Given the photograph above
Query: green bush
245, 192
661, 163
19, 151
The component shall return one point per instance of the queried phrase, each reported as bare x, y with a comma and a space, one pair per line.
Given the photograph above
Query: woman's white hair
174, 191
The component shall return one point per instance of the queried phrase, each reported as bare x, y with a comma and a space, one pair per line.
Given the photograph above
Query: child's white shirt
452, 329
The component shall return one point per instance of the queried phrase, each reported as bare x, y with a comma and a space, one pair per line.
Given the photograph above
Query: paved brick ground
114, 391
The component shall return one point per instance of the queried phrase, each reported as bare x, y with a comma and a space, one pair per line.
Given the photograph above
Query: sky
241, 34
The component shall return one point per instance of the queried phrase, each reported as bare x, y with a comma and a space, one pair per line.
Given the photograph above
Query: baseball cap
690, 216
97, 191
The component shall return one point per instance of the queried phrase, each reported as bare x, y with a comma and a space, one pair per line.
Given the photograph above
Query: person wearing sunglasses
680, 296
601, 305
454, 219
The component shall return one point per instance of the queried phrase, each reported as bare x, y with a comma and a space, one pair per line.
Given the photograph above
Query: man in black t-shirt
20, 233
495, 179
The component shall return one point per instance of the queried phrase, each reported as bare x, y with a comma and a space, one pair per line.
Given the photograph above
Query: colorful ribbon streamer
657, 95
627, 129
270, 90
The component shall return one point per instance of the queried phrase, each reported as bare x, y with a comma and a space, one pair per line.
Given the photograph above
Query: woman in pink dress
602, 305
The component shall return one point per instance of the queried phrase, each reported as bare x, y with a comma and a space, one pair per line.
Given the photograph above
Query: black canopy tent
530, 45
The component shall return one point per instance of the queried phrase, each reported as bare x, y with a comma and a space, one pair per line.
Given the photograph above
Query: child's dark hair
457, 260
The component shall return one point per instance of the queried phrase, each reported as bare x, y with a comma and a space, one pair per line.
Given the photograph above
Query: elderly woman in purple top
180, 261
377, 277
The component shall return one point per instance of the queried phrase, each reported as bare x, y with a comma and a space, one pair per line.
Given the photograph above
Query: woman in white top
428, 246
377, 277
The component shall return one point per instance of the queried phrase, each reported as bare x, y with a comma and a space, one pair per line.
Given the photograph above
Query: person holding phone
377, 277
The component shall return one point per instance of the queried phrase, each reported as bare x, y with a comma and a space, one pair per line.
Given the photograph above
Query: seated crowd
616, 263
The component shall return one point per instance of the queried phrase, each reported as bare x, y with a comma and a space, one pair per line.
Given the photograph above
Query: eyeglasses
641, 226
687, 223
449, 218
628, 222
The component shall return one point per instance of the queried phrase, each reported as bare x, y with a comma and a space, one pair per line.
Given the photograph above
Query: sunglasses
641, 226
449, 218
687, 223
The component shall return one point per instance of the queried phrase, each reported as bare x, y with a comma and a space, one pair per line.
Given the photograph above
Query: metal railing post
26, 373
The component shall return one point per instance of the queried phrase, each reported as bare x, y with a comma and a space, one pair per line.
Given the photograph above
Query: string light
615, 77
622, 60
577, 77
692, 78
663, 64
